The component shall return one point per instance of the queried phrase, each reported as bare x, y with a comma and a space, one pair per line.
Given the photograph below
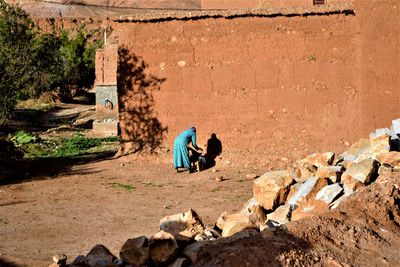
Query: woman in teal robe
181, 152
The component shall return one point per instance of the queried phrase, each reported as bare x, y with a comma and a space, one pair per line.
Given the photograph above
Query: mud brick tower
107, 108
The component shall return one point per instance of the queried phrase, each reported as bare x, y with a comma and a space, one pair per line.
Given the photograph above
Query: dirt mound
363, 231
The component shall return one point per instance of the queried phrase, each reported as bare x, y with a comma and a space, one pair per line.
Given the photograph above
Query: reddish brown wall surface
271, 86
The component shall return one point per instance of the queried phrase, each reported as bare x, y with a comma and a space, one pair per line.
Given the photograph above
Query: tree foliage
32, 62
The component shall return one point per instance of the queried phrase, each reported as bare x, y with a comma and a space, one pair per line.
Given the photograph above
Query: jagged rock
293, 189
356, 152
379, 142
280, 216
390, 159
329, 192
307, 191
236, 223
60, 259
309, 209
162, 248
248, 208
135, 251
330, 172
319, 159
350, 185
222, 220
99, 255
183, 226
363, 171
179, 262
303, 171
271, 189
181, 221
336, 203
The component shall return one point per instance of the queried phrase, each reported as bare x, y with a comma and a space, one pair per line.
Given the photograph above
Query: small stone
122, 164
214, 170
329, 193
181, 63
60, 259
251, 176
219, 178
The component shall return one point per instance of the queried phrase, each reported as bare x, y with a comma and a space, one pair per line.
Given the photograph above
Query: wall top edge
347, 8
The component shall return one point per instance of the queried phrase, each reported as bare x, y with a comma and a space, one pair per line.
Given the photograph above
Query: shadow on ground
17, 171
6, 263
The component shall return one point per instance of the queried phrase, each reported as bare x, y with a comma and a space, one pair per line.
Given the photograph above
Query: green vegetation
32, 62
128, 187
35, 147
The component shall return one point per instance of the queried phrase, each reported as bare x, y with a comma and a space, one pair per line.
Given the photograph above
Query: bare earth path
73, 211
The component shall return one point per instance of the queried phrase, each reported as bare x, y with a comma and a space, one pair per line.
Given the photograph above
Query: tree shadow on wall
141, 131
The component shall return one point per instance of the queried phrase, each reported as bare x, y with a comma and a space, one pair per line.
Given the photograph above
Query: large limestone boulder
183, 226
309, 209
99, 255
135, 251
293, 189
303, 171
220, 224
350, 185
379, 142
319, 159
330, 172
357, 152
181, 221
363, 171
307, 191
390, 159
249, 206
238, 222
162, 248
271, 189
280, 216
329, 192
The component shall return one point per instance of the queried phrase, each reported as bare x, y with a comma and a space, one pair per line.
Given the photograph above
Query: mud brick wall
269, 85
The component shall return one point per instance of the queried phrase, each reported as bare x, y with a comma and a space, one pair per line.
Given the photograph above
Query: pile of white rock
315, 184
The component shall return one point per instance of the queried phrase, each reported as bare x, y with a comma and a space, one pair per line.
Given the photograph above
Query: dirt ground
71, 211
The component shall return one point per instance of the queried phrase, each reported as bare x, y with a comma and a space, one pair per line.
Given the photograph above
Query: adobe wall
267, 86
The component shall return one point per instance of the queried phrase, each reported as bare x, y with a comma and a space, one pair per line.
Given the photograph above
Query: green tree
16, 35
